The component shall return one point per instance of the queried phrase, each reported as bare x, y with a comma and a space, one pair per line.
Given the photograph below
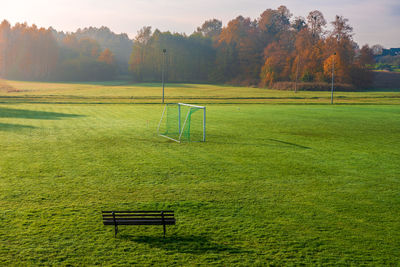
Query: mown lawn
273, 184
118, 92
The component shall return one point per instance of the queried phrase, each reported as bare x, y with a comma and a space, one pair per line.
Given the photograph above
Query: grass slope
273, 184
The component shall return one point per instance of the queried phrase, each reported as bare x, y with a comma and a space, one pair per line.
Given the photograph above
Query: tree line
32, 53
274, 48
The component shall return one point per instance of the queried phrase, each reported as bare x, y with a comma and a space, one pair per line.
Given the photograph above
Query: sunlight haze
374, 22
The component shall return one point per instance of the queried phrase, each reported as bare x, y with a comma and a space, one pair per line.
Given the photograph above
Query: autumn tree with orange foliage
107, 57
299, 53
27, 52
311, 57
238, 51
270, 49
277, 63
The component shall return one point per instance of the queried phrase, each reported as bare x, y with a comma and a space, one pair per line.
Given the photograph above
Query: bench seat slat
140, 223
138, 218
140, 211
136, 215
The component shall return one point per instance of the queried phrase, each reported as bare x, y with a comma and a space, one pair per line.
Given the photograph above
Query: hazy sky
374, 21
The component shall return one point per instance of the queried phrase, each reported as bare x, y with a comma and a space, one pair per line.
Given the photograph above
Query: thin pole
297, 74
204, 124
333, 75
179, 118
163, 66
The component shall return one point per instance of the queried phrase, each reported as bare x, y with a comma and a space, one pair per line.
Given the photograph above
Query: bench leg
115, 224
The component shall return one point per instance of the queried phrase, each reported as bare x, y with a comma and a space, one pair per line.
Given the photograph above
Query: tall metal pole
163, 66
297, 73
333, 75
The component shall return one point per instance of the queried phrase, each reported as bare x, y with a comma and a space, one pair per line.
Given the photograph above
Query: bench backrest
165, 217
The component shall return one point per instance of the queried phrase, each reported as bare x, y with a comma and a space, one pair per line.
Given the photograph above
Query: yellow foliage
328, 65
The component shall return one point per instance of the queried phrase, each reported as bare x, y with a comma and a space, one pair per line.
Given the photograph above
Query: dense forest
274, 50
119, 44
32, 53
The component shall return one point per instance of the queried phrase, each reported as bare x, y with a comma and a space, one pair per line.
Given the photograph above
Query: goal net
183, 122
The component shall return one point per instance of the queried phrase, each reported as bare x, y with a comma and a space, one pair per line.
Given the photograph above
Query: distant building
391, 52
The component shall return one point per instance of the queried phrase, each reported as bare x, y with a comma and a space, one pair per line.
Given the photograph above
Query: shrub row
316, 86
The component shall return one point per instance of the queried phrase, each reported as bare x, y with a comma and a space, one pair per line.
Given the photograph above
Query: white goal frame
182, 127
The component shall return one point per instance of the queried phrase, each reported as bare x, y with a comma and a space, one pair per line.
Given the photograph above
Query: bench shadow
9, 127
193, 244
33, 114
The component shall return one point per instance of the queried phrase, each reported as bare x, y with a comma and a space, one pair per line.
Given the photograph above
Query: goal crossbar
190, 105
178, 129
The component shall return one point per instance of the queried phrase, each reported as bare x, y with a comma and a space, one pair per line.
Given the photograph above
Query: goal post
183, 122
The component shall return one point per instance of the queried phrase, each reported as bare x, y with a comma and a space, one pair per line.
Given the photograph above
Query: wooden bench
164, 217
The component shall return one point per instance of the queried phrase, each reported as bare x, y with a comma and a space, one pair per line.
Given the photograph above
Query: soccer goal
183, 122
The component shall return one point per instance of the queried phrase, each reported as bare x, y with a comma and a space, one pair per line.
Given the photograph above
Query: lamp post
333, 75
297, 73
163, 66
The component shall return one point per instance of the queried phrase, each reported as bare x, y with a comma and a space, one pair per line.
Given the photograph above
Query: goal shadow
262, 142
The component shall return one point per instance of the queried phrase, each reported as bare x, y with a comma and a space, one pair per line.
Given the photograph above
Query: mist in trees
189, 58
27, 52
119, 44
83, 60
32, 53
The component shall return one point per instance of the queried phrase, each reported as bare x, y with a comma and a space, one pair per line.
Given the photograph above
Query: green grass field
274, 184
119, 92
